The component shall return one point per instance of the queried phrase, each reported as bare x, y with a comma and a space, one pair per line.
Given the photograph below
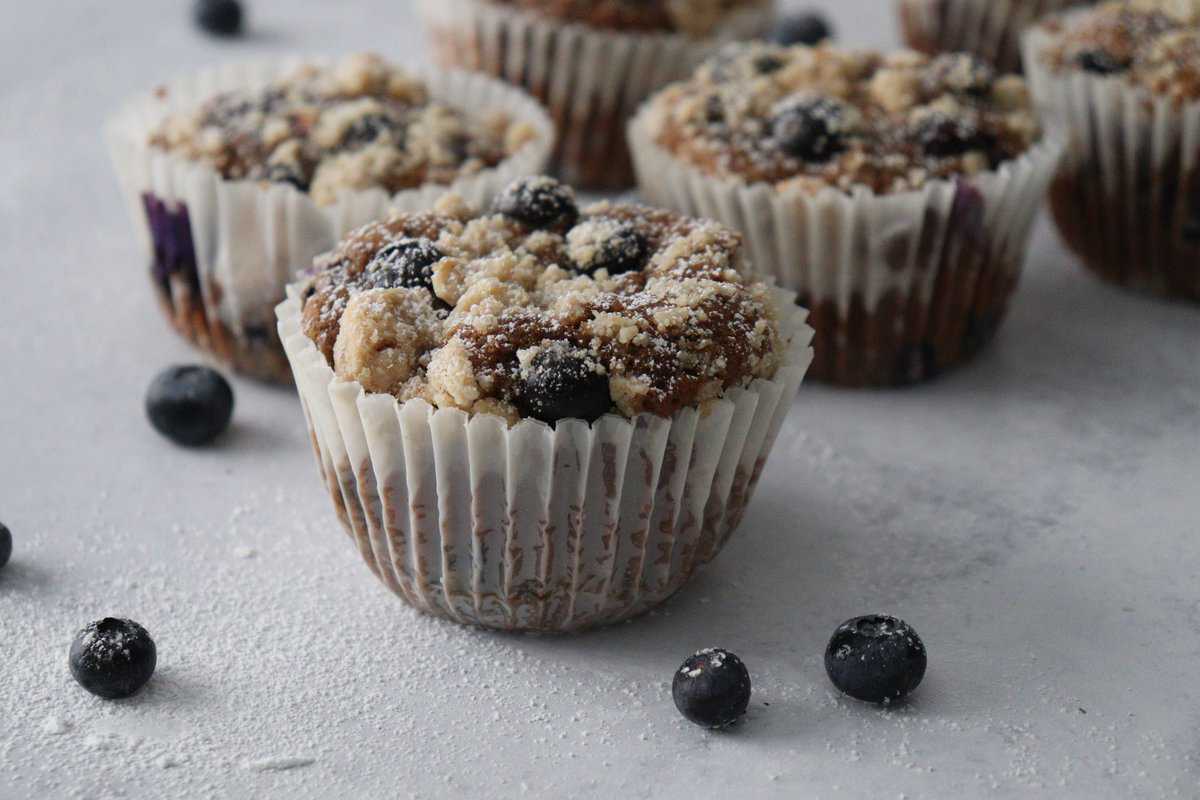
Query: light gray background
1034, 516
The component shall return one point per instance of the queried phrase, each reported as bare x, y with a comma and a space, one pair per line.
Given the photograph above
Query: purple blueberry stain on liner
171, 236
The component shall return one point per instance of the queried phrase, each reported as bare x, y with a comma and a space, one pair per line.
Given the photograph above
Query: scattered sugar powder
296, 674
278, 764
55, 726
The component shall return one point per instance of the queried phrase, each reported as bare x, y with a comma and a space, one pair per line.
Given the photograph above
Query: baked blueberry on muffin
893, 192
574, 403
1123, 80
989, 29
590, 63
243, 175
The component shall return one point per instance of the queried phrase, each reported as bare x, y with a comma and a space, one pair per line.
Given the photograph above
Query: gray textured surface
1034, 516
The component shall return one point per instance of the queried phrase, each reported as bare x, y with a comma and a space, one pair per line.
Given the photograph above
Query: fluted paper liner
591, 80
991, 29
533, 527
222, 251
1127, 196
901, 286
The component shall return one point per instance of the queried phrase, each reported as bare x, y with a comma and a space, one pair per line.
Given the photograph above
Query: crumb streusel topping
538, 309
1153, 43
693, 17
821, 117
357, 124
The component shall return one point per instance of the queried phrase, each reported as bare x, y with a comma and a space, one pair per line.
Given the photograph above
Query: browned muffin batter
539, 309
358, 124
818, 117
694, 17
1153, 43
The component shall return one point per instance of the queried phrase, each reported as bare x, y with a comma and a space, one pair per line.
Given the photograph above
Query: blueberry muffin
241, 176
361, 124
879, 186
608, 378
1123, 80
989, 29
590, 63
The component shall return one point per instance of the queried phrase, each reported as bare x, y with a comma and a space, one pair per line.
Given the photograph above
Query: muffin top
1153, 43
539, 309
357, 124
812, 118
693, 17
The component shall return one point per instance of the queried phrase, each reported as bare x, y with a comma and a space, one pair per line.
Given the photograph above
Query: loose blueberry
538, 201
405, 263
5, 544
219, 17
189, 405
808, 28
809, 129
1100, 62
561, 383
712, 688
112, 658
941, 136
609, 245
875, 658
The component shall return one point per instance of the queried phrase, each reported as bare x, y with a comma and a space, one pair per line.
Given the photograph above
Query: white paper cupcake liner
533, 527
1127, 196
591, 80
222, 251
990, 29
901, 286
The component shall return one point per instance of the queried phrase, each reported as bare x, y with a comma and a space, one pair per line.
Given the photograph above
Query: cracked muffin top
541, 309
817, 117
696, 18
1153, 43
359, 123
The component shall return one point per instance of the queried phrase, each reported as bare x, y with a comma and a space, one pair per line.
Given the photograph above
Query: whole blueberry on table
189, 405
112, 658
712, 688
876, 658
5, 544
538, 201
560, 382
808, 28
219, 17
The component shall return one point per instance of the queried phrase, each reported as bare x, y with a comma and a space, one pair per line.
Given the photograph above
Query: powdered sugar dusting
278, 764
